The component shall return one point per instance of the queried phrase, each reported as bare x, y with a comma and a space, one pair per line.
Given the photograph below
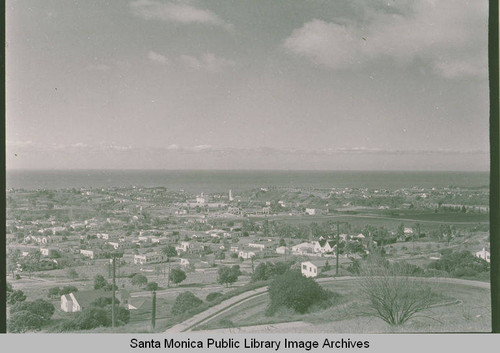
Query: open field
459, 308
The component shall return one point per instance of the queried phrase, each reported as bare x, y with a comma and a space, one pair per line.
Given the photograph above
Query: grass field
460, 308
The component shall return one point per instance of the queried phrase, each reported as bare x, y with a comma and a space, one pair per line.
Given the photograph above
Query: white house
246, 254
149, 258
257, 246
303, 248
483, 254
310, 211
408, 231
184, 263
310, 269
281, 250
114, 244
87, 253
77, 301
323, 246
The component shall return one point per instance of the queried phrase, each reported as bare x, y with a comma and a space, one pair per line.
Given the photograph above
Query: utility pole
168, 278
114, 291
337, 250
153, 311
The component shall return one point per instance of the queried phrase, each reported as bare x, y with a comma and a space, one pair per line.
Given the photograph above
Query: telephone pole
153, 311
114, 291
337, 250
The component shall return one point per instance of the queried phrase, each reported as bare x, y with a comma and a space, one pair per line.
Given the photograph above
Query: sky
209, 84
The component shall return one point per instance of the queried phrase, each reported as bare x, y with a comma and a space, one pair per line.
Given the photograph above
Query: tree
170, 251
68, 289
23, 321
294, 291
13, 258
184, 302
102, 302
152, 286
16, 296
228, 275
99, 282
220, 255
39, 307
72, 273
139, 280
177, 275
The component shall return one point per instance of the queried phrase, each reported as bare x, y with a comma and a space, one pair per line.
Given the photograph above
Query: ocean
212, 181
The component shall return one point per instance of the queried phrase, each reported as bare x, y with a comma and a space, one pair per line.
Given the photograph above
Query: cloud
27, 146
449, 36
207, 62
157, 58
176, 12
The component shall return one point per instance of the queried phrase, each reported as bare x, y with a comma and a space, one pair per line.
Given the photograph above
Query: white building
149, 258
114, 244
257, 246
309, 269
281, 250
303, 248
87, 253
483, 254
310, 211
246, 254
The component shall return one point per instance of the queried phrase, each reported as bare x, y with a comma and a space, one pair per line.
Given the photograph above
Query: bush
265, 271
99, 282
184, 302
228, 275
292, 290
460, 264
212, 296
16, 296
22, 321
54, 292
39, 307
152, 286
122, 315
102, 302
139, 280
176, 275
68, 289
392, 295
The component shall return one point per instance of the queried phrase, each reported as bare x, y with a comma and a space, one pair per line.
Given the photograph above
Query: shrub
91, 318
54, 292
184, 302
212, 296
460, 263
176, 275
99, 282
67, 290
265, 271
152, 286
392, 295
102, 302
22, 321
16, 296
122, 315
296, 292
139, 280
228, 275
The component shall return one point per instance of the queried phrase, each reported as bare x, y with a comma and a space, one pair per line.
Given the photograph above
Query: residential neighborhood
165, 240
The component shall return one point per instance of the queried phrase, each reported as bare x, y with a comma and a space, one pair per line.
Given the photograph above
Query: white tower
230, 195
